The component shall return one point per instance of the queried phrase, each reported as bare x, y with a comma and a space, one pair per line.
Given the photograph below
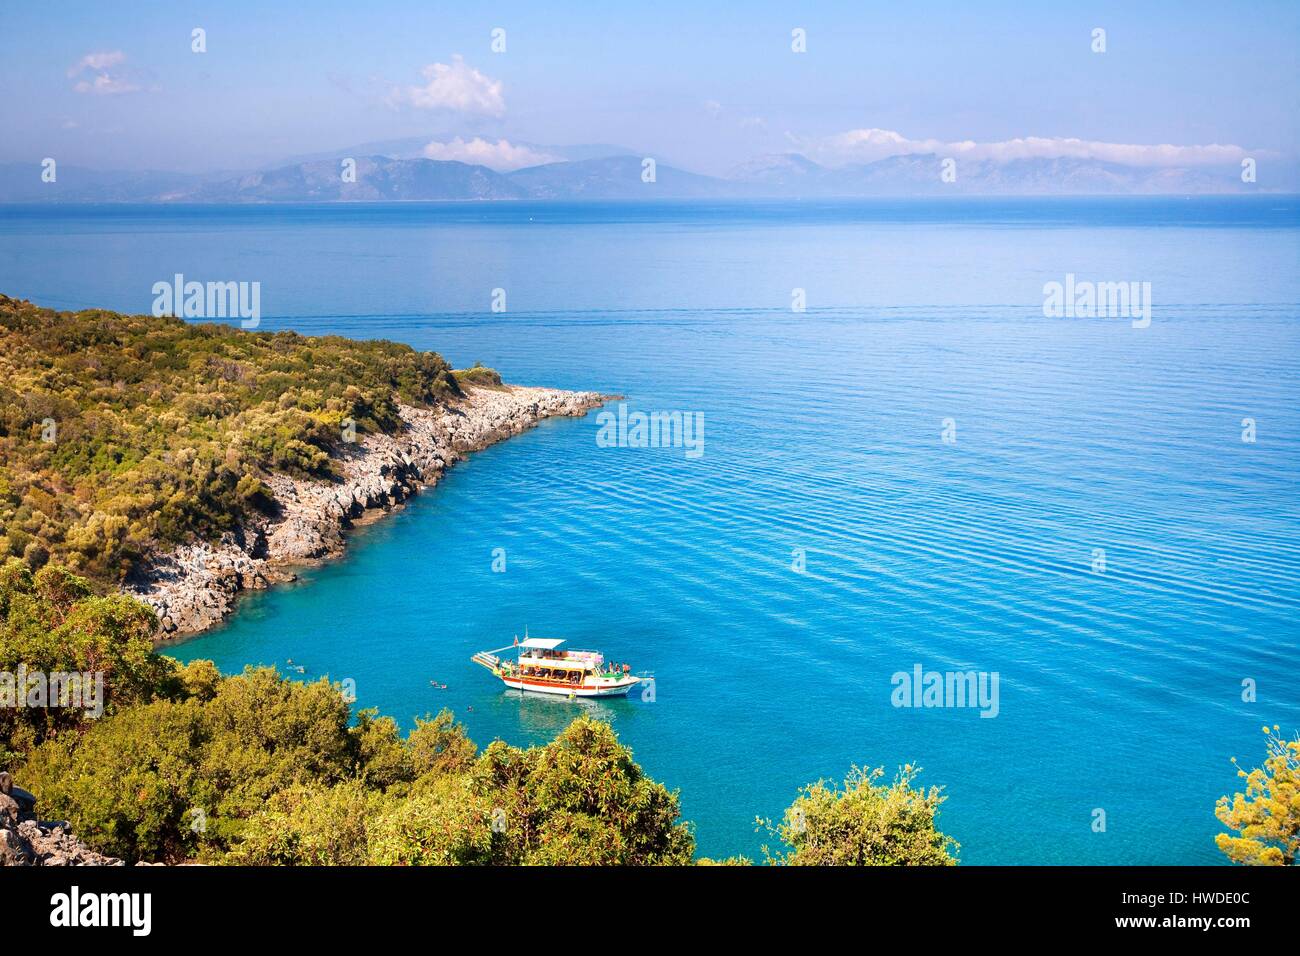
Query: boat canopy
556, 663
545, 643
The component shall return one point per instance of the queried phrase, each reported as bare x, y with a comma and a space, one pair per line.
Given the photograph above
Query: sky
704, 86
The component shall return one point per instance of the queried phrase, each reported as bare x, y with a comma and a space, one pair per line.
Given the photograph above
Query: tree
309, 826
864, 824
1267, 815
382, 756
445, 824
440, 746
586, 795
51, 623
130, 784
173, 779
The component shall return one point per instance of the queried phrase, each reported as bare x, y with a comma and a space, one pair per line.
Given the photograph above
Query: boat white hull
618, 689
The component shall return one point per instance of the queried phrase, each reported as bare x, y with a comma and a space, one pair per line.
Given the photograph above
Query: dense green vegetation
120, 433
865, 823
50, 622
185, 764
480, 375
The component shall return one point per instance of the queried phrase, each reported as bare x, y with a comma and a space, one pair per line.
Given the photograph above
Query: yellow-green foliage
865, 823
577, 800
480, 375
310, 826
49, 622
275, 777
443, 824
163, 429
1267, 816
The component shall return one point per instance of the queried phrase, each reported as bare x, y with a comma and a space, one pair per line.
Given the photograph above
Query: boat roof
545, 643
559, 664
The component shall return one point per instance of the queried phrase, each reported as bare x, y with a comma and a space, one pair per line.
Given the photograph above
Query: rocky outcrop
28, 841
196, 586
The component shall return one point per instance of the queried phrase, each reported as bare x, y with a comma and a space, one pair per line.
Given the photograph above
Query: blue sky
115, 85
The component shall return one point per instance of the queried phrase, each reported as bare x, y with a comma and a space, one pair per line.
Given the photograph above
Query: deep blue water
1120, 690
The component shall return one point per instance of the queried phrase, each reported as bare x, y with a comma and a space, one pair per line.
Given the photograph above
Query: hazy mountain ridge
617, 177
378, 179
23, 182
622, 177
794, 175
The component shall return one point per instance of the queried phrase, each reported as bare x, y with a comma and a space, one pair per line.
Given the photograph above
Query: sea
909, 464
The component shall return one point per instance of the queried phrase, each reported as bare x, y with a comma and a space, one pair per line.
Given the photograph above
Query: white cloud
97, 61
457, 87
712, 107
104, 79
501, 155
105, 85
869, 145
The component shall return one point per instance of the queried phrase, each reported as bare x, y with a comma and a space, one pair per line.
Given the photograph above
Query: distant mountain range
377, 178
619, 176
921, 175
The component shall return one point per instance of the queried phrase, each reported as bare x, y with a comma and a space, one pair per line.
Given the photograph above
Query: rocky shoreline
196, 586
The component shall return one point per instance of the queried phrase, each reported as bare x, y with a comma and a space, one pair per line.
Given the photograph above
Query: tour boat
540, 666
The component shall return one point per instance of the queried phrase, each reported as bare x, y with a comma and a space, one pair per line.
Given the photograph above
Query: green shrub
439, 747
446, 824
479, 375
51, 622
130, 784
865, 823
310, 826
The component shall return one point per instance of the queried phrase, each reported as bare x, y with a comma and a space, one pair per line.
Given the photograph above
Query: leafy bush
1266, 817
310, 826
131, 783
51, 622
865, 824
479, 375
447, 824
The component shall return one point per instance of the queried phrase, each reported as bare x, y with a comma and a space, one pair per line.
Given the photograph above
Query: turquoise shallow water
1119, 691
